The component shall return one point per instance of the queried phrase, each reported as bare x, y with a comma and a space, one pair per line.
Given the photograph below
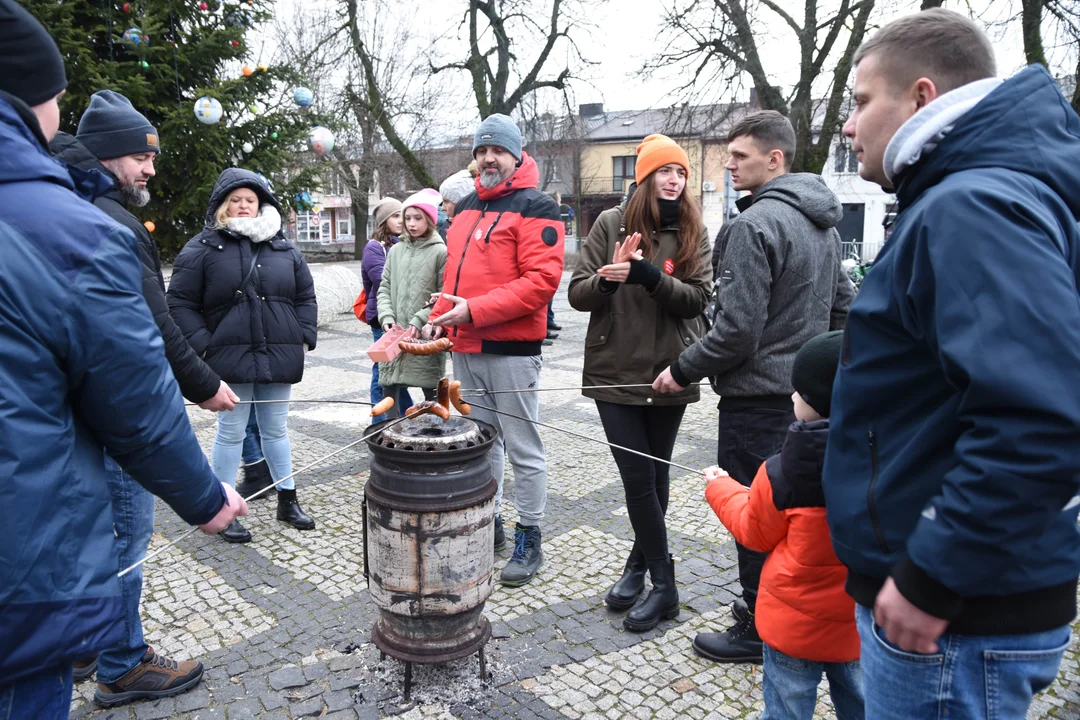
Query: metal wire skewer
258, 402
193, 530
587, 437
480, 392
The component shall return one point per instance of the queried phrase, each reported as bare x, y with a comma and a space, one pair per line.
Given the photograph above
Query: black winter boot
289, 511
256, 478
236, 533
500, 534
738, 644
624, 593
661, 602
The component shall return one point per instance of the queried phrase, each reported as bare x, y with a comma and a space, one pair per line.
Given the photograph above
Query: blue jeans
133, 521
44, 696
403, 401
252, 442
790, 687
991, 677
273, 419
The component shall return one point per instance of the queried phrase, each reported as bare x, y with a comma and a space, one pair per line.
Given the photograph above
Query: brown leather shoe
84, 669
155, 677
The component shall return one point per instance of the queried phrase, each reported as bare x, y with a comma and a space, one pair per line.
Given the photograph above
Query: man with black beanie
82, 376
117, 140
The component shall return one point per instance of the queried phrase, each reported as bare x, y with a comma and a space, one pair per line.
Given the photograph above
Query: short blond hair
938, 44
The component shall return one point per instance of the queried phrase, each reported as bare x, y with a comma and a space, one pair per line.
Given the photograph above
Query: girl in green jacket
413, 271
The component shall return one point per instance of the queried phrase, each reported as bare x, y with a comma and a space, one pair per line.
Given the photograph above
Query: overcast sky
627, 37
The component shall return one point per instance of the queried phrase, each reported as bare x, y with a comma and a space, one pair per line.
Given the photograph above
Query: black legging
651, 430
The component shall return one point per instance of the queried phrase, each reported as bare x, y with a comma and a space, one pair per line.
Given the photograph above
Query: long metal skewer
193, 530
480, 392
587, 437
293, 400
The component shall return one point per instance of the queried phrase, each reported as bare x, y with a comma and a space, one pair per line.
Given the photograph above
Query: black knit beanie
31, 67
815, 369
112, 128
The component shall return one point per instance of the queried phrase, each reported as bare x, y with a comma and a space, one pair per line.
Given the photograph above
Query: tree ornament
203, 6
234, 43
150, 226
303, 97
321, 140
264, 68
248, 72
208, 110
303, 200
238, 18
143, 65
256, 108
248, 147
126, 7
274, 135
135, 37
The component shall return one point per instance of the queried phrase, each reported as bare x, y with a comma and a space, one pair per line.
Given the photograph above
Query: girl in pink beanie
413, 272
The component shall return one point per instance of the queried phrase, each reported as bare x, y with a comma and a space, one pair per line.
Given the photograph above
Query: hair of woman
643, 216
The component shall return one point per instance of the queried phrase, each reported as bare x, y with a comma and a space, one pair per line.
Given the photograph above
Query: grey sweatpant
517, 438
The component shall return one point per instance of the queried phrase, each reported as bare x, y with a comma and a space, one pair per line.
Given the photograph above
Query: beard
135, 195
490, 178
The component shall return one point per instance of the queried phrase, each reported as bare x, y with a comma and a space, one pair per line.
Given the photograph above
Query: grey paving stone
272, 700
346, 679
307, 708
288, 677
348, 714
345, 662
194, 699
214, 713
246, 709
338, 700
154, 710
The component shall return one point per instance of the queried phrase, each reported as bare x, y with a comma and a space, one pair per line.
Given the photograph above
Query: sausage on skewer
455, 398
381, 407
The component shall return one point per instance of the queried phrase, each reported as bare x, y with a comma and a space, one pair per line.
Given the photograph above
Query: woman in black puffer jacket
244, 299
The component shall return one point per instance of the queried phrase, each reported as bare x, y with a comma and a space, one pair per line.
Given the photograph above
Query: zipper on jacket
487, 238
871, 504
461, 262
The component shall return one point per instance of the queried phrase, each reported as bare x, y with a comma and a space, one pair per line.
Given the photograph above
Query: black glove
643, 272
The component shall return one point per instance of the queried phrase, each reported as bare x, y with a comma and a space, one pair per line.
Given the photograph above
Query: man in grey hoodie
778, 283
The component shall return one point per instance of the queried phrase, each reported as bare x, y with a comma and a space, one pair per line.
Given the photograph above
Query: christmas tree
164, 55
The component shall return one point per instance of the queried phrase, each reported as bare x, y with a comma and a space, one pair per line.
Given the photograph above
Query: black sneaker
527, 557
500, 534
552, 335
738, 644
554, 326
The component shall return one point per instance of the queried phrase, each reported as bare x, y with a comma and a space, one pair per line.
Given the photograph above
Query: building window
845, 161
313, 227
335, 185
622, 170
344, 222
553, 169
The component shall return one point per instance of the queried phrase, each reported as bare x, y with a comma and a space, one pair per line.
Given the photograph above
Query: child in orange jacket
806, 620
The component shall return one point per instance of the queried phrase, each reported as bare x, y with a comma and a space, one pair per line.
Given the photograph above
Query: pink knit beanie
427, 200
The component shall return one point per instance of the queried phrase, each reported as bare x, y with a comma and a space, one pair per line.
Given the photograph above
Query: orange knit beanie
655, 152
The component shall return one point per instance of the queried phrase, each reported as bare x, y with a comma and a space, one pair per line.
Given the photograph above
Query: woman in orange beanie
644, 276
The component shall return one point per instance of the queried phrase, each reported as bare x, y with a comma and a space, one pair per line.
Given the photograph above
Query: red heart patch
669, 266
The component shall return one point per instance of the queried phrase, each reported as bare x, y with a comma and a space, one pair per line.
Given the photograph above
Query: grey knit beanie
501, 131
112, 128
384, 209
456, 187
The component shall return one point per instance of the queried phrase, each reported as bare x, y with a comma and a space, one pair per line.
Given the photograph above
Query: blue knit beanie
112, 128
498, 130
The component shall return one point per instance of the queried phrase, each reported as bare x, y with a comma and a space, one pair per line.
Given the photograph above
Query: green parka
413, 271
635, 334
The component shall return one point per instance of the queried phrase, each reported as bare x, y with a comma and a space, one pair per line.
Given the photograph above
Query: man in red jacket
504, 263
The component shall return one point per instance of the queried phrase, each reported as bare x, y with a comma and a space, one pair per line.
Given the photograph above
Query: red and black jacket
505, 256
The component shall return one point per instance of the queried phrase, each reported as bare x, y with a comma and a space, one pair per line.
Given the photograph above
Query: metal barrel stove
429, 538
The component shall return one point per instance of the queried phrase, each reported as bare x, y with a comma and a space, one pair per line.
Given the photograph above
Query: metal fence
863, 252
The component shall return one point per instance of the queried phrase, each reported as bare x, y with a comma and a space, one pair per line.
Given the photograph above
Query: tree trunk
927, 4
1031, 23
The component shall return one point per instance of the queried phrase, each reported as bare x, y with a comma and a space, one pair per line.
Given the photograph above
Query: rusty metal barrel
429, 537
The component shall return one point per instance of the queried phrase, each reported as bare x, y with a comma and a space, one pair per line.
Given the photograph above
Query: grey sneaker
527, 557
500, 534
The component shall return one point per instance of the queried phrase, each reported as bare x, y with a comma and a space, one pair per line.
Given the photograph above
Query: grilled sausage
425, 347
381, 407
442, 393
455, 398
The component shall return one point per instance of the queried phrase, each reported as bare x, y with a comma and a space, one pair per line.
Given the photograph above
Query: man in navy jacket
82, 373
953, 467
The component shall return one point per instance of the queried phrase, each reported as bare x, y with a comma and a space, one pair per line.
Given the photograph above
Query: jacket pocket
599, 333
871, 502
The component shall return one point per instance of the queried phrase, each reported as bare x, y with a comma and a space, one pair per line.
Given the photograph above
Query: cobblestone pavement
283, 624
